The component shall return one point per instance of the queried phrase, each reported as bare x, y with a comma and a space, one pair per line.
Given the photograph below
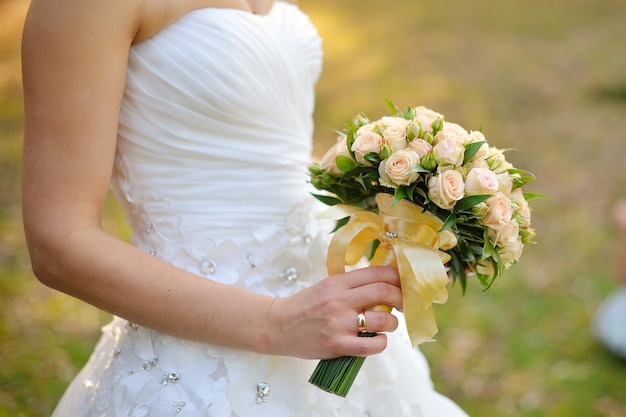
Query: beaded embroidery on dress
214, 140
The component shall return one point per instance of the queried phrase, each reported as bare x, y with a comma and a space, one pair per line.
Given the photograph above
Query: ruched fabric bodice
211, 168
216, 120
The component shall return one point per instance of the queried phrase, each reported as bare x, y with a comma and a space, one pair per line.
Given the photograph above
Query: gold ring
360, 322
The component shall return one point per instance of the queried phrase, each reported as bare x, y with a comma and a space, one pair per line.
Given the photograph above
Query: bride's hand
320, 322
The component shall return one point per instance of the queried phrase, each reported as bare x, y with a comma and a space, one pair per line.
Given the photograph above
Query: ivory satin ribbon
411, 241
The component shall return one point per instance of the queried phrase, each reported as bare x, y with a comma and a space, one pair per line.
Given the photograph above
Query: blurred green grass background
547, 78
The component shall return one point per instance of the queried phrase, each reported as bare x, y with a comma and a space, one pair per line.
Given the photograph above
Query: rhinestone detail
117, 353
208, 267
149, 364
171, 378
391, 235
151, 229
262, 392
178, 406
251, 261
290, 275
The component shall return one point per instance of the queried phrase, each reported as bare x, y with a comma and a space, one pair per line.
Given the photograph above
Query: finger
378, 321
364, 276
374, 294
365, 346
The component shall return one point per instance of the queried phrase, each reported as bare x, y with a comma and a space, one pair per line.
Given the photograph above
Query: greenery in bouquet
427, 196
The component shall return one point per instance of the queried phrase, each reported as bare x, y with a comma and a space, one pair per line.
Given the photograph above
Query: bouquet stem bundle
337, 375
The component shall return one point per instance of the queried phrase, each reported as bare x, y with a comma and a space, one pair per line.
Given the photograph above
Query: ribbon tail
424, 280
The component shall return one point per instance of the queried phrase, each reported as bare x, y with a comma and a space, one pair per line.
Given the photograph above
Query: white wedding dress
214, 140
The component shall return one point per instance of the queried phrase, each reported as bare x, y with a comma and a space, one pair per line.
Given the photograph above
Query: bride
198, 114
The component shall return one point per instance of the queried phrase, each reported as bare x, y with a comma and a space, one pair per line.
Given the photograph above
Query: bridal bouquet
426, 195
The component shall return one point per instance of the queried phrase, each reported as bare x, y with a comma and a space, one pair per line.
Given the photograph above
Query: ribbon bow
409, 239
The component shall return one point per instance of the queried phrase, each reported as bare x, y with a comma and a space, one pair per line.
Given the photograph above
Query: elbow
45, 259
43, 265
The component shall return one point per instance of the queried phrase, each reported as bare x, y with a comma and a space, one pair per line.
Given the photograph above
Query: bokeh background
544, 77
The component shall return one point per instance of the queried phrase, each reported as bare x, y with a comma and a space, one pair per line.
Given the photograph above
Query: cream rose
481, 163
398, 169
497, 162
389, 121
365, 143
328, 160
505, 235
425, 117
521, 208
505, 183
396, 137
446, 188
485, 268
481, 181
420, 147
483, 152
369, 127
453, 132
499, 212
511, 252
449, 152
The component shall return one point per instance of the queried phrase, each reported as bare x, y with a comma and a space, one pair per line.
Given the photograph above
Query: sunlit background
547, 78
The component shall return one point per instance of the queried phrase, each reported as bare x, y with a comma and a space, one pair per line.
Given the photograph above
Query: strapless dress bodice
216, 122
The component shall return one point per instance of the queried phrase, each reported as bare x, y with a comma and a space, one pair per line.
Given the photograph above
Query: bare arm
74, 67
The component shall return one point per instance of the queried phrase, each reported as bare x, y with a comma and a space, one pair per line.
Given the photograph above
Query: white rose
480, 210
449, 151
505, 182
499, 212
328, 160
483, 152
481, 163
369, 127
446, 188
395, 137
365, 143
511, 252
505, 235
420, 147
425, 117
454, 132
398, 169
485, 268
481, 181
389, 121
522, 210
497, 162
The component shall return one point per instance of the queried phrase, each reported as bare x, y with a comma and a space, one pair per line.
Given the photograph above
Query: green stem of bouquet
337, 375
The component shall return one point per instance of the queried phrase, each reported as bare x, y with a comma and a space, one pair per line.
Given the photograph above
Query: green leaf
488, 249
469, 202
467, 254
392, 107
449, 223
533, 196
457, 267
470, 150
398, 195
341, 223
345, 164
419, 168
326, 199
373, 158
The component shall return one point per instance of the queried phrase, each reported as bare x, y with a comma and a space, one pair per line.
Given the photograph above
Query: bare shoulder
158, 14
